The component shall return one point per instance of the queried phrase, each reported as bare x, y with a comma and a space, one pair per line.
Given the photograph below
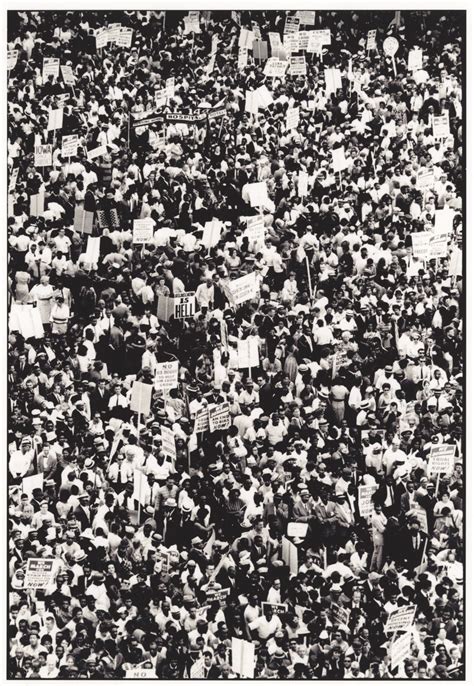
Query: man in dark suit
82, 511
414, 545
99, 398
305, 345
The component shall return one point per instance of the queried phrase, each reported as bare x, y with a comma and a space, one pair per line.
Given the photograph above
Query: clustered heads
235, 445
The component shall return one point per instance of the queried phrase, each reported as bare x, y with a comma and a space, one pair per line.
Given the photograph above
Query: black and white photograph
235, 343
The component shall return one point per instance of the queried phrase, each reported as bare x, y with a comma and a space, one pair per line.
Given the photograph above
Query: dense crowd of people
295, 481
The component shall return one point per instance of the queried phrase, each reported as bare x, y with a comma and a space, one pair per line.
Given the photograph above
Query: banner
441, 460
242, 289
401, 619
219, 417
140, 399
143, 231
50, 67
166, 376
39, 573
43, 155
243, 657
140, 673
96, 152
69, 145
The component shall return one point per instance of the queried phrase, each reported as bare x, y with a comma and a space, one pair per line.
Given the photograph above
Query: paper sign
415, 59
166, 376
263, 97
441, 126
212, 233
421, 245
197, 669
143, 231
292, 118
291, 43
242, 60
221, 594
371, 40
140, 673
441, 460
50, 67
68, 75
390, 46
333, 80
290, 555
69, 145
364, 499
184, 305
101, 38
425, 179
37, 205
92, 253
140, 400
340, 615
242, 289
255, 231
260, 50
400, 650
248, 352
29, 483
170, 87
246, 39
302, 184
39, 573
12, 59
243, 657
96, 152
83, 220
26, 319
191, 25
277, 608
219, 417
43, 155
306, 17
275, 68
439, 246
339, 161
455, 262
444, 220
258, 193
297, 529
401, 619
201, 421
298, 66
168, 444
55, 119
13, 179
124, 37
292, 25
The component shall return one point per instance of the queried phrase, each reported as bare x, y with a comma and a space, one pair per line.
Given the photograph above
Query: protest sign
243, 657
292, 25
298, 66
143, 231
221, 594
13, 179
290, 555
68, 75
201, 420
364, 499
246, 39
26, 318
277, 608
333, 80
170, 87
29, 483
306, 17
166, 376
50, 67
92, 253
191, 25
39, 573
242, 62
55, 119
184, 305
165, 308
168, 444
421, 245
371, 40
275, 68
444, 220
140, 399
124, 37
43, 155
83, 220
314, 44
297, 529
113, 31
140, 673
400, 650
37, 204
96, 152
69, 145
401, 619
339, 161
260, 50
219, 417
212, 233
248, 352
415, 59
263, 97
303, 39
390, 46
438, 245
258, 193
441, 460
292, 118
255, 231
235, 17
455, 262
12, 59
441, 125
291, 43
101, 37
425, 179
303, 184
